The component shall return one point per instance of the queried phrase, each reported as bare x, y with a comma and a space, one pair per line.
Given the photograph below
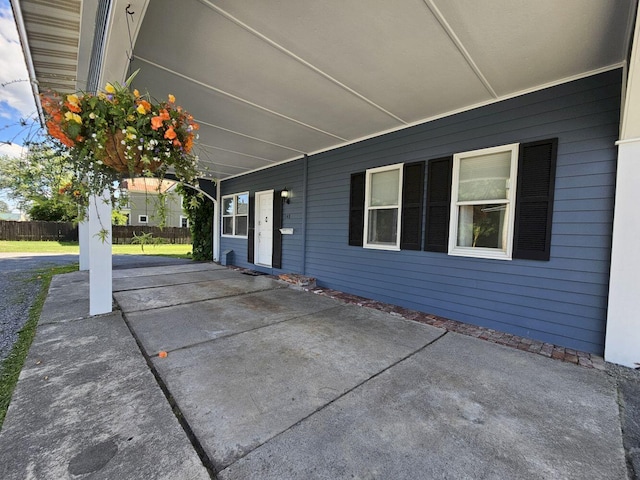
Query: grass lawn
11, 366
170, 250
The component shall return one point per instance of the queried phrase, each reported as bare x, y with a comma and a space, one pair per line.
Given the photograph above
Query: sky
16, 96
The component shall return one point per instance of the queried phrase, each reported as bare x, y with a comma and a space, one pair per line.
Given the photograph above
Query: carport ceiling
269, 81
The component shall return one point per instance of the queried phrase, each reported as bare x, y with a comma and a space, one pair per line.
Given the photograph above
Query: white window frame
510, 201
146, 219
234, 196
368, 207
182, 217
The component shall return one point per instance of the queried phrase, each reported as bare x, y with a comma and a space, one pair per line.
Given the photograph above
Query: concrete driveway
274, 383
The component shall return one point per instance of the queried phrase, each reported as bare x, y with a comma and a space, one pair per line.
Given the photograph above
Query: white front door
264, 228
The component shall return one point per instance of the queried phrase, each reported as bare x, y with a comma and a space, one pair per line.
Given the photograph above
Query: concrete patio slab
278, 383
87, 406
171, 277
461, 408
64, 291
240, 391
150, 298
127, 271
180, 326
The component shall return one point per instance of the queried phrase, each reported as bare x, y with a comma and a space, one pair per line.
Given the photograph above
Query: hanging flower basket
116, 157
120, 133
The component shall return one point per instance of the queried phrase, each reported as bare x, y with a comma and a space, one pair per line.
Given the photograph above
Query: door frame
259, 197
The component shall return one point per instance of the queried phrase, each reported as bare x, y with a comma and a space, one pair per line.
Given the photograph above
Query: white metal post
100, 288
83, 240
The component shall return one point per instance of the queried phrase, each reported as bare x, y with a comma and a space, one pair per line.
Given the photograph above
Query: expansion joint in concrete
197, 446
355, 387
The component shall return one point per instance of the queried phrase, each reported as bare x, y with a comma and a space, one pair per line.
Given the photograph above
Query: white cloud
16, 98
12, 150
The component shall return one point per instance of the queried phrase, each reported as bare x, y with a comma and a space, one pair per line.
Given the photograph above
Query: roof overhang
269, 82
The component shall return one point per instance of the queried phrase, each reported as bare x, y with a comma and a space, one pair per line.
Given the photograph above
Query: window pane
243, 204
383, 226
384, 188
227, 225
484, 177
241, 225
482, 226
227, 206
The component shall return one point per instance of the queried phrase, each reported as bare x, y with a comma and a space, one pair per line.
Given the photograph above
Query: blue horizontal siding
276, 178
562, 301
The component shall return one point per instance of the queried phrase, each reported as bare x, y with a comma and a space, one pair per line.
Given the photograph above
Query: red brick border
557, 352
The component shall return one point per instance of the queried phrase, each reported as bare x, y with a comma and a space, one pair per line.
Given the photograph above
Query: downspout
216, 223
103, 14
22, 33
305, 172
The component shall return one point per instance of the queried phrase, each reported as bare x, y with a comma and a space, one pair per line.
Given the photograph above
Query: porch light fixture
285, 195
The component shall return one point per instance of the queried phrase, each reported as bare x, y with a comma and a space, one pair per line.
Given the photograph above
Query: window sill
483, 253
234, 236
391, 248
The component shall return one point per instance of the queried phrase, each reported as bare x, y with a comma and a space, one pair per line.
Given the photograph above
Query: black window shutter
356, 209
534, 199
412, 196
439, 173
250, 229
276, 256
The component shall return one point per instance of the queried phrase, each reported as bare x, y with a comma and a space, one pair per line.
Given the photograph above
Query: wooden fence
67, 232
169, 234
60, 231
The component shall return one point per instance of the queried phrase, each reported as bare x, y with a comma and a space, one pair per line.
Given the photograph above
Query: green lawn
172, 250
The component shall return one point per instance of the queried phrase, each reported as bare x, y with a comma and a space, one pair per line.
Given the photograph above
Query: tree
38, 181
4, 207
53, 210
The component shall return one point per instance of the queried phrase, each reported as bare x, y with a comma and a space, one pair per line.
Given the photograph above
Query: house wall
562, 301
146, 204
288, 175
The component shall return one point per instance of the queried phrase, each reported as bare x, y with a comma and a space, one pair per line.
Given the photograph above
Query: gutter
24, 42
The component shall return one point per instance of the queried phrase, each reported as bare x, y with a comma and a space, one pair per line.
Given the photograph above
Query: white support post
100, 288
83, 240
622, 343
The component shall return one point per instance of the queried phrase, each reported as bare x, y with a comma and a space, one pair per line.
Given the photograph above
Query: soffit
53, 33
271, 81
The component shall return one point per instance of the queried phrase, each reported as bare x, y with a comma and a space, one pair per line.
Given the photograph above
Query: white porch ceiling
271, 81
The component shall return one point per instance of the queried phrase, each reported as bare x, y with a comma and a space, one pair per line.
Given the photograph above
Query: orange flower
56, 132
156, 122
188, 144
162, 354
164, 114
73, 107
143, 107
170, 134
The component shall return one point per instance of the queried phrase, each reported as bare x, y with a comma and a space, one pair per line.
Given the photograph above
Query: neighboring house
474, 160
144, 201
